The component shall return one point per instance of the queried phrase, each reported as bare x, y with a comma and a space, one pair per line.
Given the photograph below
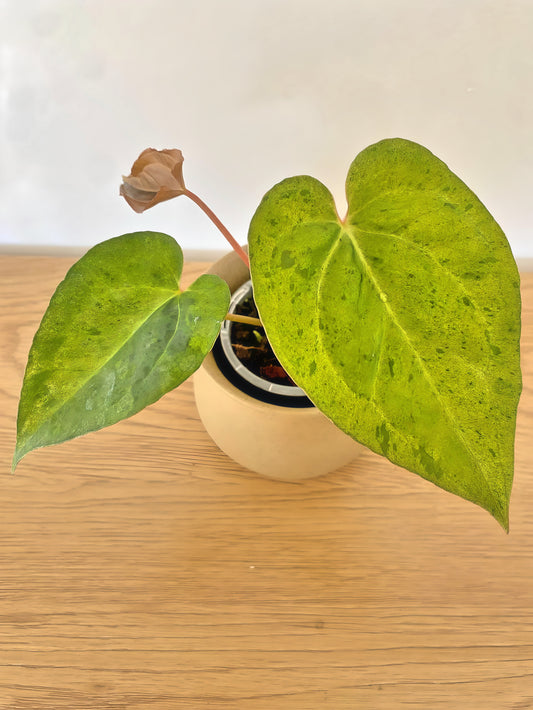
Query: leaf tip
501, 514
16, 461
504, 522
20, 453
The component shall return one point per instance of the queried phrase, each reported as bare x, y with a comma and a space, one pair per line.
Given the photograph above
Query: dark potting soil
251, 346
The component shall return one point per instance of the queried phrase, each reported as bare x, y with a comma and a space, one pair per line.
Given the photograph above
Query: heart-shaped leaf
117, 335
401, 322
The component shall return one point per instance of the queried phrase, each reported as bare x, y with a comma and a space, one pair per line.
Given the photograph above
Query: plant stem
244, 319
212, 216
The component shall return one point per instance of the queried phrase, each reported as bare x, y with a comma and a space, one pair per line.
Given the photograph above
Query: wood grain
141, 568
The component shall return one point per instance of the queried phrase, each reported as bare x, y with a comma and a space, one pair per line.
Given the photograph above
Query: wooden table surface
141, 568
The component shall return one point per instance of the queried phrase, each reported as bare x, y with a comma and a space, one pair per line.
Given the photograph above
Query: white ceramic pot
280, 442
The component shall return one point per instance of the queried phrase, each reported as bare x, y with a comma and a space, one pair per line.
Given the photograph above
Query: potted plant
400, 321
257, 417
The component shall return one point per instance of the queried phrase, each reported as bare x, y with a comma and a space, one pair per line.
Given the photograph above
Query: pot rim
212, 370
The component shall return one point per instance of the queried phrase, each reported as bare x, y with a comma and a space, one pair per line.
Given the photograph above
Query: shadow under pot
251, 409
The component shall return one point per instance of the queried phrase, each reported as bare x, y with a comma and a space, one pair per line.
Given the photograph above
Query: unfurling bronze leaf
156, 176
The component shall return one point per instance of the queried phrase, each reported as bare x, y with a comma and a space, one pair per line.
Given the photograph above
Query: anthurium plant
400, 321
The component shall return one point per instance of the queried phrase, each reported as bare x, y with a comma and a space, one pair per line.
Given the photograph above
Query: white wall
252, 91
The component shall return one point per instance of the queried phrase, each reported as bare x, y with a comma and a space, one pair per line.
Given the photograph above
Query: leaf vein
434, 260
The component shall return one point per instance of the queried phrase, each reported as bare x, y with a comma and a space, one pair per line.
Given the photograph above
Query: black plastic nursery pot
267, 427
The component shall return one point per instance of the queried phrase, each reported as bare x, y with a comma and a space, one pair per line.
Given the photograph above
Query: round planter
287, 443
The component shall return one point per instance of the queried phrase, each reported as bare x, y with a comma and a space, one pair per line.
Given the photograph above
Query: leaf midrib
343, 229
427, 375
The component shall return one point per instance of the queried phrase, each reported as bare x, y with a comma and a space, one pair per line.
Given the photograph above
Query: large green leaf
401, 322
117, 335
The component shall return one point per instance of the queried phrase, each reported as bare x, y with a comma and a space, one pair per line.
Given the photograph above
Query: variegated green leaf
117, 335
402, 321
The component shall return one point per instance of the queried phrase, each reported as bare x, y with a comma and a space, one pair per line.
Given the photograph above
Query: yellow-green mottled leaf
401, 322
